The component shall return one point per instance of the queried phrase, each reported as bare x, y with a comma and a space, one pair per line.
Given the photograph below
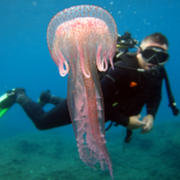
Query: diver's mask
155, 55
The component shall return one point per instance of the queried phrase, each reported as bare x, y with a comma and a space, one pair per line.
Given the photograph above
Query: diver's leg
46, 97
58, 116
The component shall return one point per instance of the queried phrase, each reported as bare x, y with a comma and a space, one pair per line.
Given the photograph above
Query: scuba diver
135, 81
139, 82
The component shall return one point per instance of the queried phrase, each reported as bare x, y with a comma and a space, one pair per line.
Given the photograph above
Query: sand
53, 156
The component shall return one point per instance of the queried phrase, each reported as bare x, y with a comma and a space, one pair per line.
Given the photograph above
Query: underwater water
27, 153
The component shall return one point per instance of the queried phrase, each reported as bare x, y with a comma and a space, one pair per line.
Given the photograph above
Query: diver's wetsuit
129, 89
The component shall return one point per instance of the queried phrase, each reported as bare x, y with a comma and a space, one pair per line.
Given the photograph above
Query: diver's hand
135, 123
149, 123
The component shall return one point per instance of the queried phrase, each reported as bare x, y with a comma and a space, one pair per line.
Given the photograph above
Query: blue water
25, 60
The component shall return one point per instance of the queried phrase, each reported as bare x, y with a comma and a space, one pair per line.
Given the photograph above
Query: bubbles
110, 10
145, 22
119, 12
34, 3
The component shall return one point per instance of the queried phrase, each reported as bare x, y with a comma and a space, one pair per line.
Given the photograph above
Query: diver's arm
154, 99
108, 84
109, 89
135, 123
149, 120
152, 106
111, 112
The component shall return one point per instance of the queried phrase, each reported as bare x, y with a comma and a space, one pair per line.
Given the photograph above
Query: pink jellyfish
79, 38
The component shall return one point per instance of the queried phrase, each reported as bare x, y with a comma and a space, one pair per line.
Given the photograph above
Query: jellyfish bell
79, 35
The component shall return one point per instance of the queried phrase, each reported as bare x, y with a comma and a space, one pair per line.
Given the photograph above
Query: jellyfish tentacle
98, 57
101, 62
63, 71
105, 64
111, 58
82, 64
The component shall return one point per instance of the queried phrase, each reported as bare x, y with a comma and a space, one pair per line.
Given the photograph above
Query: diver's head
153, 51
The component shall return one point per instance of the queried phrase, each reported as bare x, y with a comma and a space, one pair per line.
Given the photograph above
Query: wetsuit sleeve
109, 89
154, 98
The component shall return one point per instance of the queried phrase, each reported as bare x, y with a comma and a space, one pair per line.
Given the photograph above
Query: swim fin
3, 111
8, 99
3, 108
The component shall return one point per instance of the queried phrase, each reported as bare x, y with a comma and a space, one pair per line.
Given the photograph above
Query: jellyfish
82, 39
